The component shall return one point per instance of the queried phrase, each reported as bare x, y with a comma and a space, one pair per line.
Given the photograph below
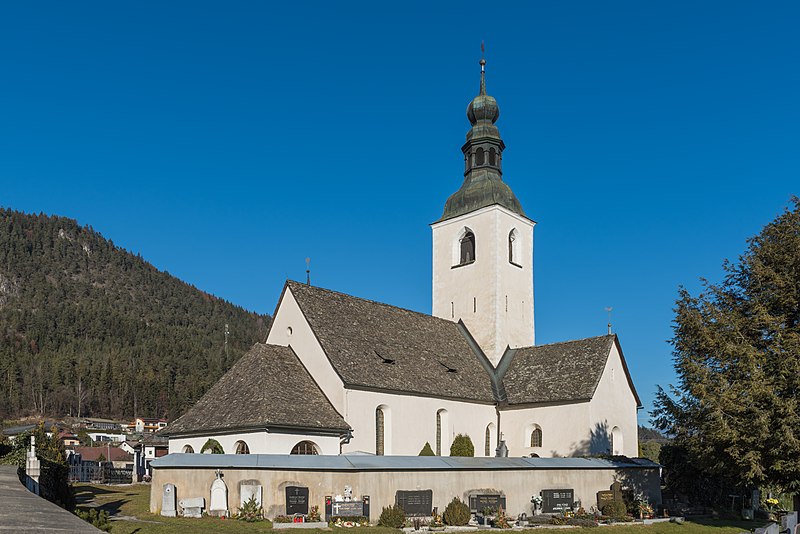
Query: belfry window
468, 248
513, 247
242, 448
479, 157
492, 157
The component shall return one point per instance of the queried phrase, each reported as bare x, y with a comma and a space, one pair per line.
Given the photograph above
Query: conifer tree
735, 411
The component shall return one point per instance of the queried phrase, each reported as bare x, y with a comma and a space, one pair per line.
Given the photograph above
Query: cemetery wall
517, 485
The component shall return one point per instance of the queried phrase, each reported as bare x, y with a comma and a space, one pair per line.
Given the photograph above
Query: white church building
343, 375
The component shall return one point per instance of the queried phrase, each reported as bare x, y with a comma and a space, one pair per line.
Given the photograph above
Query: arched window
442, 433
305, 447
536, 437
242, 448
379, 431
616, 441
492, 156
468, 248
513, 247
187, 449
479, 157
487, 442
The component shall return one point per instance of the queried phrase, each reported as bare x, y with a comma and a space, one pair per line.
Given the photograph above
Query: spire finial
483, 65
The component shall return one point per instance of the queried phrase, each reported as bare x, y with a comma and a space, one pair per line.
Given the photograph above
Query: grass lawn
129, 507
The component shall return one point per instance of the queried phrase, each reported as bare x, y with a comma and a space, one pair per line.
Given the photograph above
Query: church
344, 375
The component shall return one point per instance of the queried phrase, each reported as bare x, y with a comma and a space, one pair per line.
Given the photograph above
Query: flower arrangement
350, 522
436, 520
500, 520
313, 515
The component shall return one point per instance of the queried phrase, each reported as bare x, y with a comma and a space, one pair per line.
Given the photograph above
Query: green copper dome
483, 154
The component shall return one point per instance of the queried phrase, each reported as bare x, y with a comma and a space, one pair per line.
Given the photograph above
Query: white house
339, 374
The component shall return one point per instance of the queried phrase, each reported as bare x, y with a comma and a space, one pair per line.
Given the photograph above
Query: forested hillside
87, 328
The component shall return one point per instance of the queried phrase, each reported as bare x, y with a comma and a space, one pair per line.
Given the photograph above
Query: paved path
22, 511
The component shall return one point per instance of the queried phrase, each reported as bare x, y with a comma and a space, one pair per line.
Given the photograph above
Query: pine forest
89, 329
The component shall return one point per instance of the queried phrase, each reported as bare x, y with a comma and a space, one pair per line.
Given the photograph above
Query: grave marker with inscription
478, 503
296, 500
557, 500
415, 503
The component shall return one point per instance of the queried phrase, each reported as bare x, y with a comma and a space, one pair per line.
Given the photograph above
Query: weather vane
308, 271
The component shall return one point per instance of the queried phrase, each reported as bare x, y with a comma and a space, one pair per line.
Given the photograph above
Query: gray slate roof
559, 372
359, 335
357, 463
267, 387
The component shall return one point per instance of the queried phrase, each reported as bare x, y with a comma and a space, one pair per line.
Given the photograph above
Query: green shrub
250, 511
213, 447
581, 522
392, 517
427, 450
462, 446
95, 518
615, 510
456, 513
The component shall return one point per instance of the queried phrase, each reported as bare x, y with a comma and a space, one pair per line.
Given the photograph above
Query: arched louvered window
242, 448
492, 156
468, 248
187, 449
479, 157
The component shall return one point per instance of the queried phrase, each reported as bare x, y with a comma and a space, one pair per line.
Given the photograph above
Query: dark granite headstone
477, 503
604, 497
415, 503
558, 500
296, 500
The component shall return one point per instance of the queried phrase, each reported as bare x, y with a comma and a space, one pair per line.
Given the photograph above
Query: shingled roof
267, 387
559, 372
377, 346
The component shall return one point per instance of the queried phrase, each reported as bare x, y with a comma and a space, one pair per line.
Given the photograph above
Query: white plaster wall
581, 429
290, 328
517, 485
493, 297
411, 421
564, 428
261, 442
614, 405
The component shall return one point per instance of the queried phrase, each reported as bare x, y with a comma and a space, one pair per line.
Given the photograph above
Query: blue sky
228, 141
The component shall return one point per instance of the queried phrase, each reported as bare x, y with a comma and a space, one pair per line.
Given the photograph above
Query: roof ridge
565, 342
319, 288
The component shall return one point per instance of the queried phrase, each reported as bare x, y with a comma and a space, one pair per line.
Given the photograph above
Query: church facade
343, 375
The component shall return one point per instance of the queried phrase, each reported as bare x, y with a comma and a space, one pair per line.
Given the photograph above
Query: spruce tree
735, 411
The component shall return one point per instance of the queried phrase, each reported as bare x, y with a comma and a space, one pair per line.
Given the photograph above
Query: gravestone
477, 503
346, 509
557, 500
296, 500
610, 495
249, 489
168, 501
218, 505
415, 503
789, 522
193, 507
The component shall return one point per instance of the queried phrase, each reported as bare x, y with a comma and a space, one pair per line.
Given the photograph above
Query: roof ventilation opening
388, 361
449, 369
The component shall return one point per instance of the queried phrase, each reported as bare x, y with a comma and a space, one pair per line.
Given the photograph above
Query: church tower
483, 244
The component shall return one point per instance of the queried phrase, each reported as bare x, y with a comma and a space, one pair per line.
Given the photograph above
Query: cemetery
313, 491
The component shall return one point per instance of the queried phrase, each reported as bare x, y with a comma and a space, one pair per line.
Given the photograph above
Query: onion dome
483, 154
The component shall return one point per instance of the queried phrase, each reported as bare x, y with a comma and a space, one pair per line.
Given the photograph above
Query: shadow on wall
598, 444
